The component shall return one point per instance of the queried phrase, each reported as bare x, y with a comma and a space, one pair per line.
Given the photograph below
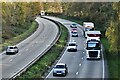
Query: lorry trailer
88, 26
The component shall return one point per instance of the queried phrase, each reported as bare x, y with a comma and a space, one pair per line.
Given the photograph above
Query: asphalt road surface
78, 66
30, 48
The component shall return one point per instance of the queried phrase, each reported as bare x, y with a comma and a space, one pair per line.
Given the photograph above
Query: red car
74, 30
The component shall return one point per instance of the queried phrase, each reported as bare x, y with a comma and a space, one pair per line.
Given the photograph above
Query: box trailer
88, 26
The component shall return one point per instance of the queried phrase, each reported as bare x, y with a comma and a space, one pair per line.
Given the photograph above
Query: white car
74, 34
73, 25
72, 46
12, 50
60, 69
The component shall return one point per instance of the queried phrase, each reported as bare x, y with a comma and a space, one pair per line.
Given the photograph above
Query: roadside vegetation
17, 23
106, 17
17, 39
17, 18
112, 57
44, 63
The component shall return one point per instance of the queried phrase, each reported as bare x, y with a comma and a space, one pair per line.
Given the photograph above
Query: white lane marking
19, 54
76, 73
57, 62
82, 57
11, 60
62, 55
26, 49
79, 65
103, 75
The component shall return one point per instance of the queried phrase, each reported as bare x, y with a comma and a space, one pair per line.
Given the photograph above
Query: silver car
73, 25
74, 34
11, 50
60, 69
72, 46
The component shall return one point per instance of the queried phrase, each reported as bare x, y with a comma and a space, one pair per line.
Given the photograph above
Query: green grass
19, 38
112, 59
43, 64
74, 19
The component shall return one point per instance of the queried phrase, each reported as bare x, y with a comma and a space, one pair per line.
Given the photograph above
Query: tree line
17, 16
106, 17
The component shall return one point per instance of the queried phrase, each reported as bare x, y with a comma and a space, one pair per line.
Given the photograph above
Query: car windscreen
89, 29
72, 44
95, 46
11, 47
60, 66
74, 32
73, 24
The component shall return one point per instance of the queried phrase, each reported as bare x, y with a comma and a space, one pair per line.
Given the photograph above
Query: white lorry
88, 26
93, 34
93, 49
42, 13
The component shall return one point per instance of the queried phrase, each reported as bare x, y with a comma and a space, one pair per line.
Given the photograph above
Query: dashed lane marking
77, 73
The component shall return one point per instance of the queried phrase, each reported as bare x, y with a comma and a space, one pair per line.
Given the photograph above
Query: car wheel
88, 59
68, 50
76, 50
17, 51
6, 53
53, 74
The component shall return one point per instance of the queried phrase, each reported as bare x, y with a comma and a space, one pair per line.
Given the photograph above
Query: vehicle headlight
54, 71
68, 48
63, 71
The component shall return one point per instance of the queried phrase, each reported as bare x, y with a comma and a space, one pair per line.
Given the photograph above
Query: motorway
29, 48
78, 66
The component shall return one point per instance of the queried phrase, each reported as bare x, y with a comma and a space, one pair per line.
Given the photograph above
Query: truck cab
42, 13
93, 49
88, 26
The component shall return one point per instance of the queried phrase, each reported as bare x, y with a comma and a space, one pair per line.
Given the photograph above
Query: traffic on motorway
93, 46
17, 58
83, 56
84, 45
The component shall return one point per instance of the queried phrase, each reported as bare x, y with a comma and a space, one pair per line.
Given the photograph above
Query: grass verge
112, 59
43, 64
21, 37
74, 19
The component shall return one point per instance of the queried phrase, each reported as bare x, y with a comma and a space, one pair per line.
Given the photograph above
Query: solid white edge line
82, 57
103, 76
57, 62
77, 73
80, 64
11, 60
